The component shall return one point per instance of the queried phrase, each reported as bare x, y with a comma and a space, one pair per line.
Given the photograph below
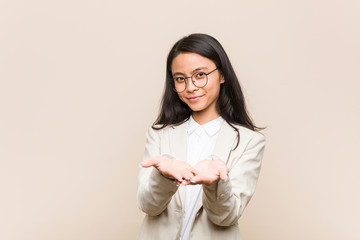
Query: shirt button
222, 196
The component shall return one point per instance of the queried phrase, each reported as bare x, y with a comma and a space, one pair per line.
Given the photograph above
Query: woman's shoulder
250, 138
245, 131
159, 128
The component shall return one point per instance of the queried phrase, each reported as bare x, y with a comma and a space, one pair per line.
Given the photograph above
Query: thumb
150, 162
196, 179
223, 175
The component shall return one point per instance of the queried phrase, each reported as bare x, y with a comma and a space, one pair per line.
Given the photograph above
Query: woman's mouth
194, 99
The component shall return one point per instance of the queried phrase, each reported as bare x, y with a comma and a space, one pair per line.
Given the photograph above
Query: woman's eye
200, 75
179, 79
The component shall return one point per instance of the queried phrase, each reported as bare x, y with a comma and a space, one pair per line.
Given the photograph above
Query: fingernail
140, 165
227, 177
192, 181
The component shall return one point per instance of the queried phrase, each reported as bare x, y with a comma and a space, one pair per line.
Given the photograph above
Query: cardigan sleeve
154, 190
224, 201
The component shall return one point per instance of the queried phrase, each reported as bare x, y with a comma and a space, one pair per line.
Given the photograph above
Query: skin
170, 168
202, 101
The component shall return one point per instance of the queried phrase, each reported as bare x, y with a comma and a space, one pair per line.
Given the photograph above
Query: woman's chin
196, 108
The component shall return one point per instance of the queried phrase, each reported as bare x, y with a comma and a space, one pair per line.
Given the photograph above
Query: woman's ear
222, 79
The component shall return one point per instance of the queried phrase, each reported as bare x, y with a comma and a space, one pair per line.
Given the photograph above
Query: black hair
231, 101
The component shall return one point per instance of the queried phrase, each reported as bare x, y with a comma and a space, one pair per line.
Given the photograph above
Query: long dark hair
231, 102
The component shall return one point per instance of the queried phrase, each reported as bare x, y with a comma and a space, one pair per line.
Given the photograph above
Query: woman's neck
202, 118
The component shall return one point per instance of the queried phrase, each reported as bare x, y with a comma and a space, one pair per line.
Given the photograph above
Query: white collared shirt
201, 142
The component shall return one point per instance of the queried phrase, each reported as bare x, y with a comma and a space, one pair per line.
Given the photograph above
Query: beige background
80, 82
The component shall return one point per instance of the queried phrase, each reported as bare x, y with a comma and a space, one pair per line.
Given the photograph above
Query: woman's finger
223, 174
177, 176
196, 179
194, 171
150, 162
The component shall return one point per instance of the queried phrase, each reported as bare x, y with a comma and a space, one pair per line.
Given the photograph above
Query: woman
203, 153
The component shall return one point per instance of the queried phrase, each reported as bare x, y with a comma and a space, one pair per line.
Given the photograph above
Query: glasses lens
180, 84
200, 79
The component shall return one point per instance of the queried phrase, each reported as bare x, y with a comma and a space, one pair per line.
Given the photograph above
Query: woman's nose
190, 86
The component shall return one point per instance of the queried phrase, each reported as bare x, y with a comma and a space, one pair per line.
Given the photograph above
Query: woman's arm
224, 201
154, 190
156, 180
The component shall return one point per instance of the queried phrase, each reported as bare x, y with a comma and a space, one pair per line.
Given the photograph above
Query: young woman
203, 153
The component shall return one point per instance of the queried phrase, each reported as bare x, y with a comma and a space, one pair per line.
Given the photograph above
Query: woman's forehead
188, 62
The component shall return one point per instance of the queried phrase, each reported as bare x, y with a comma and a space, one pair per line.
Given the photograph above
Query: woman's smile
194, 98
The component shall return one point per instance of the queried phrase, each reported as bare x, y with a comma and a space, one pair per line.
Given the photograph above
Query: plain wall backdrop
81, 81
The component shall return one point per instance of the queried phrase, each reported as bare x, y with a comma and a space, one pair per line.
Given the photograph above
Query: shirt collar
211, 128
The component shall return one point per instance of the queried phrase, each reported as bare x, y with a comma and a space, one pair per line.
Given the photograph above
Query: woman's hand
209, 171
177, 170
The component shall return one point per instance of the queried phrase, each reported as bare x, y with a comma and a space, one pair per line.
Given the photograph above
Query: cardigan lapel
178, 141
225, 142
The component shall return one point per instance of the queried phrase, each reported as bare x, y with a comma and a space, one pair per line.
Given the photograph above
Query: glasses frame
193, 81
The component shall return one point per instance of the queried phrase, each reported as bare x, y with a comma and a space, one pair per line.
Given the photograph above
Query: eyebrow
195, 70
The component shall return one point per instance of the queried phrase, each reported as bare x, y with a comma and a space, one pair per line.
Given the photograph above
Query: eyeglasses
199, 79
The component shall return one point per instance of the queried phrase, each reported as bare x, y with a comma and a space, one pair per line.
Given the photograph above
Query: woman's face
202, 101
